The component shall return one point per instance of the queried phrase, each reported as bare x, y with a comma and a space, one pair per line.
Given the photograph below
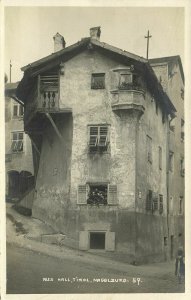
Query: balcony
44, 98
128, 97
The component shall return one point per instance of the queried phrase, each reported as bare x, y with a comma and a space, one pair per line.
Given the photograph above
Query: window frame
15, 142
18, 114
98, 146
95, 86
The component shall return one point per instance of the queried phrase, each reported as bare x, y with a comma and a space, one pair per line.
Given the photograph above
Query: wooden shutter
112, 194
83, 240
103, 136
110, 241
82, 194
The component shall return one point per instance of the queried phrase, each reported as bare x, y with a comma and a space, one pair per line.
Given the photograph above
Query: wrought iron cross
148, 37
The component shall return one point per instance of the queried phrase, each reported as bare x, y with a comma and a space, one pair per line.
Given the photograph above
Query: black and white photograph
94, 127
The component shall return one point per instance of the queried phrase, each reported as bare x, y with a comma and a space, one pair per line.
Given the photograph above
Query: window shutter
110, 241
103, 136
82, 194
83, 240
112, 194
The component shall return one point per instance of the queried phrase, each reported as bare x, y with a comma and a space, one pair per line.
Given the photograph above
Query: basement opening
97, 240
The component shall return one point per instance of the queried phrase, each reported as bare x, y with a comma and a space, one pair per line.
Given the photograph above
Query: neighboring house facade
98, 119
170, 73
18, 150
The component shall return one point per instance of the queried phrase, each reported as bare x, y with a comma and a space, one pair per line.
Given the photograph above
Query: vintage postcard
95, 144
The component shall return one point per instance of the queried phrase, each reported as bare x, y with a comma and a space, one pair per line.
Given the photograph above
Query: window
128, 80
97, 194
181, 205
18, 110
98, 138
17, 142
171, 161
149, 149
160, 158
182, 130
98, 81
149, 200
160, 204
182, 93
155, 202
165, 241
182, 167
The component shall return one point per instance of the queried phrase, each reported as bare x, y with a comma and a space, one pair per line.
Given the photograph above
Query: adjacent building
100, 124
18, 150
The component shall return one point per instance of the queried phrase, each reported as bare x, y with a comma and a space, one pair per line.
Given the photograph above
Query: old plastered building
18, 150
170, 73
99, 121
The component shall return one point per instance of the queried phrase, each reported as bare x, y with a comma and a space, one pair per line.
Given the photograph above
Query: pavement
25, 232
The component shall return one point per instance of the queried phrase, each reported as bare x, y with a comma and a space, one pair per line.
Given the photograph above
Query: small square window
98, 81
97, 194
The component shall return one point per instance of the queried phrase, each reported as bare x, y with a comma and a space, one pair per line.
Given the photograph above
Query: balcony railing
130, 86
48, 100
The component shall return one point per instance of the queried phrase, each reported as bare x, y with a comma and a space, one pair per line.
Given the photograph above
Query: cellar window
97, 240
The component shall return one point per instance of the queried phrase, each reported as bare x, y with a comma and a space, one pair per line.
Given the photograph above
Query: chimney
59, 42
95, 33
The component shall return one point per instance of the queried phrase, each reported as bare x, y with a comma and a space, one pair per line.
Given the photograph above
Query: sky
29, 31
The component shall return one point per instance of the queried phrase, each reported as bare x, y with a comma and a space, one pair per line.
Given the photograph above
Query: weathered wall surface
53, 181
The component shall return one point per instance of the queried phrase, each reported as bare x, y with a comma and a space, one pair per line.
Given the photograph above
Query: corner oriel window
128, 81
98, 81
98, 138
17, 142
